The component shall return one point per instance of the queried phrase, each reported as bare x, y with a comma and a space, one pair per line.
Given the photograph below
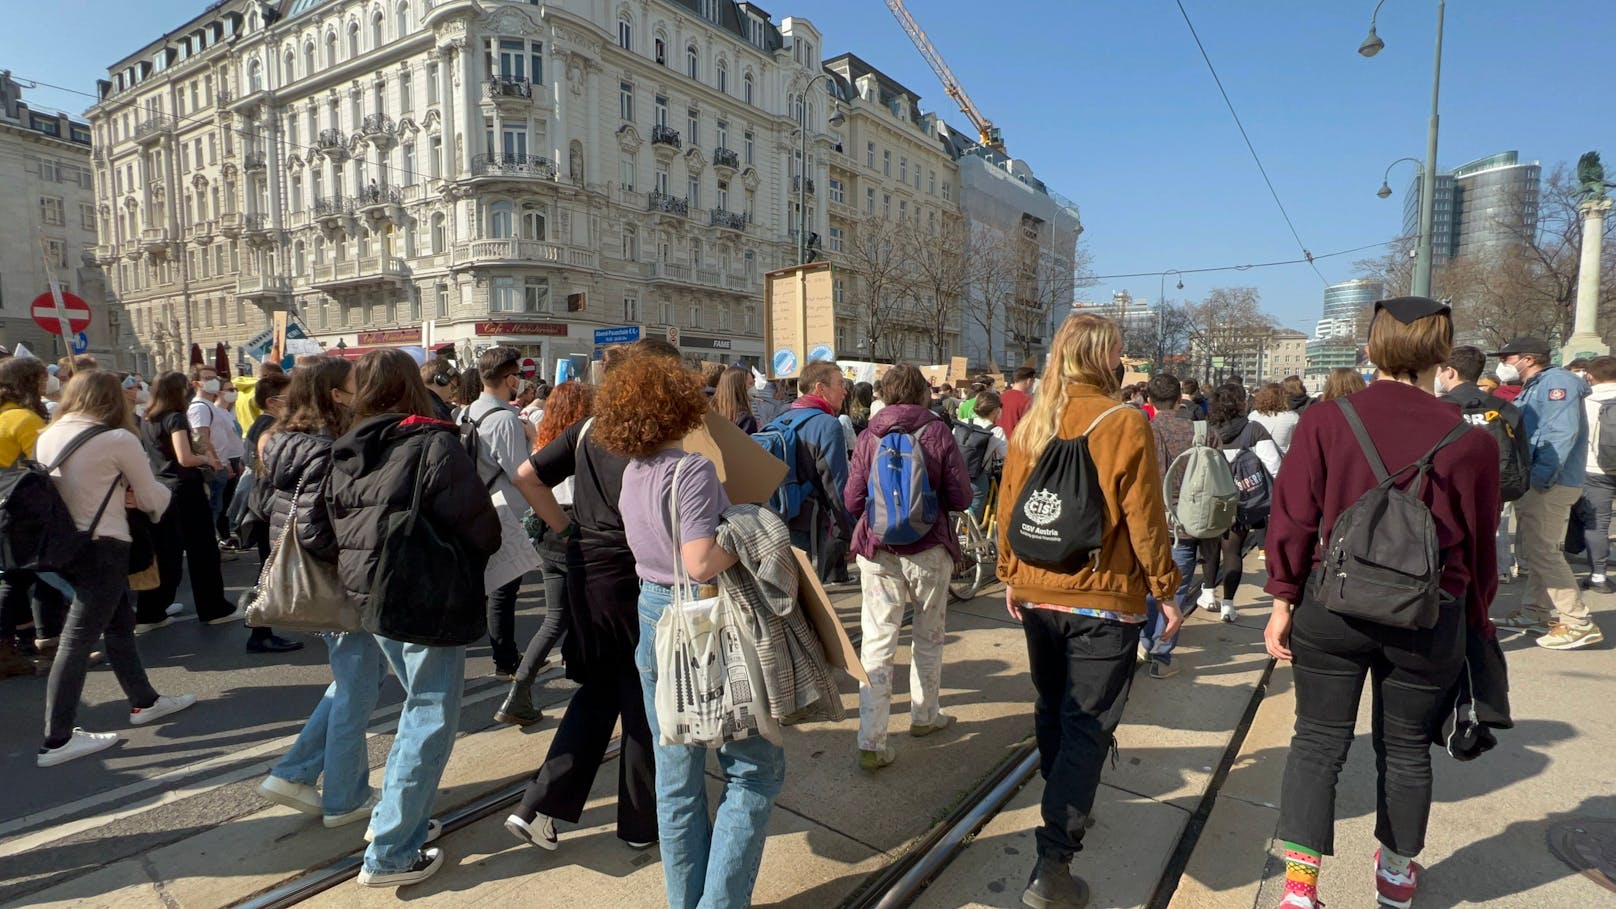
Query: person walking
646, 407
1599, 486
1082, 628
1410, 671
1296, 396
214, 429
1173, 431
1223, 559
1017, 399
294, 472
395, 452
500, 432
1556, 424
984, 443
603, 630
269, 399
569, 404
914, 575
98, 465
22, 419
821, 528
185, 537
1458, 380
733, 401
1272, 412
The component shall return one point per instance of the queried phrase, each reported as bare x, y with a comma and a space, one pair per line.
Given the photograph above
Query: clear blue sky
1112, 106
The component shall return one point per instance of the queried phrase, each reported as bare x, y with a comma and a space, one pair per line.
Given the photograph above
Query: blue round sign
822, 352
81, 343
785, 361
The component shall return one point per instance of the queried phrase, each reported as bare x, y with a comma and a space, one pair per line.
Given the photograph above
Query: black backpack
37, 532
1252, 481
427, 589
974, 442
1502, 421
1382, 562
1059, 518
1605, 439
488, 469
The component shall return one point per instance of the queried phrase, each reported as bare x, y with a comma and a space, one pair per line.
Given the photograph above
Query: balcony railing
333, 206
728, 220
665, 135
673, 205
377, 124
724, 157
256, 221
513, 249
666, 271
254, 161
513, 166
359, 271
380, 194
508, 87
154, 126
333, 138
262, 285
222, 98
154, 236
797, 185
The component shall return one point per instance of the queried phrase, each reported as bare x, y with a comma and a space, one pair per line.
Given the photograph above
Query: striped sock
1301, 871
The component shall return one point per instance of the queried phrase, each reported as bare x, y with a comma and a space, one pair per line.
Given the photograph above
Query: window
625, 101
721, 140
903, 170
886, 162
723, 77
504, 295
837, 191
50, 210
536, 295
748, 139
693, 119
514, 141
255, 75
441, 301
931, 182
661, 49
415, 304
631, 309
659, 115
886, 205
628, 173
440, 237
625, 33
297, 195
86, 216
666, 310
869, 201
299, 258
376, 37
308, 58
836, 239
692, 62
631, 244
432, 83
353, 39
406, 92
56, 253
533, 223
661, 179
500, 217
746, 88
945, 189
723, 195
330, 48
695, 316
435, 166
695, 192
409, 164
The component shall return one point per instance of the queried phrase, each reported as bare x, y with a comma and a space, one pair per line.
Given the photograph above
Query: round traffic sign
529, 367
75, 311
673, 335
81, 343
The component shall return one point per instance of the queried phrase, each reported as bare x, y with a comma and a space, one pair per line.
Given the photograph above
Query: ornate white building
465, 172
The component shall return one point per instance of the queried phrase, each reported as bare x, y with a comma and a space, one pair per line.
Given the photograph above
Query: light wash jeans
333, 740
433, 679
1185, 554
891, 582
707, 864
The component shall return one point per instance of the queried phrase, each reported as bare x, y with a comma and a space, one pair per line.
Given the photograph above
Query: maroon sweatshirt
1325, 472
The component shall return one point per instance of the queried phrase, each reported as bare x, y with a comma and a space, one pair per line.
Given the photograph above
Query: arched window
319, 250
625, 33
376, 37
353, 39
746, 88
440, 239
298, 257
661, 52
692, 62
500, 216
308, 58
401, 17
533, 224
255, 75
723, 77
330, 48
288, 71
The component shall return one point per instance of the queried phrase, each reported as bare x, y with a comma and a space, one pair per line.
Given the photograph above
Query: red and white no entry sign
74, 310
529, 367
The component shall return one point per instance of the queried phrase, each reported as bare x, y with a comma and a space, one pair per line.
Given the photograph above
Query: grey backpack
1207, 500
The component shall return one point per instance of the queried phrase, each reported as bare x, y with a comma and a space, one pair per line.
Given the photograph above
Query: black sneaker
426, 864
272, 644
1052, 886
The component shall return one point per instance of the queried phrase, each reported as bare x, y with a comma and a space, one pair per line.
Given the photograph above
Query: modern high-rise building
1489, 202
1345, 307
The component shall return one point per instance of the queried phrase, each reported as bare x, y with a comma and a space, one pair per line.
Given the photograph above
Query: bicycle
979, 549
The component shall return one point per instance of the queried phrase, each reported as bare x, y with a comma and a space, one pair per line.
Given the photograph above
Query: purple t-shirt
647, 512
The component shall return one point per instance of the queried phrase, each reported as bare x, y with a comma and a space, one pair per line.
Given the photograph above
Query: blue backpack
901, 505
779, 438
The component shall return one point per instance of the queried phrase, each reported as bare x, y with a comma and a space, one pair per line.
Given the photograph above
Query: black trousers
554, 571
561, 786
502, 626
1410, 673
1224, 558
1082, 668
184, 539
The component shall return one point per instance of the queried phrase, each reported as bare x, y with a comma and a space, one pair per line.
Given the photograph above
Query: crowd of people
627, 529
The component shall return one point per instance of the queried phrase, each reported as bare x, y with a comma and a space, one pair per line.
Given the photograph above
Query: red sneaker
1395, 889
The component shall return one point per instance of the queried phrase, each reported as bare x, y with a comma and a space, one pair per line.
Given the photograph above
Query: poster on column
799, 319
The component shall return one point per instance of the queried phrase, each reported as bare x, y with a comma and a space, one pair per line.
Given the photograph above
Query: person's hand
128, 498
1277, 636
1172, 619
1010, 605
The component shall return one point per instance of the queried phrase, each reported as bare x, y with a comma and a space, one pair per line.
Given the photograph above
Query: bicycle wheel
976, 558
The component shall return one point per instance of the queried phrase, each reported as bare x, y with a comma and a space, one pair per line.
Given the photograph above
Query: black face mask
1118, 373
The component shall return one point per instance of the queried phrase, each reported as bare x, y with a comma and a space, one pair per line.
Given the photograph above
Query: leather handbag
297, 590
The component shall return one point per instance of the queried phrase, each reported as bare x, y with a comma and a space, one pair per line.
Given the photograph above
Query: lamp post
836, 119
1161, 300
1371, 46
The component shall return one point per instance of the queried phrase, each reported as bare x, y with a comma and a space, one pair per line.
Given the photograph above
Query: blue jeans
979, 493
707, 864
433, 679
216, 502
1185, 551
333, 740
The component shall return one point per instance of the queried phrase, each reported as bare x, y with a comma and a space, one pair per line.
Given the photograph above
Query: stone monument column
1585, 340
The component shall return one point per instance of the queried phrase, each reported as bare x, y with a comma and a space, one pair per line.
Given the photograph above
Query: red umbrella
221, 360
196, 355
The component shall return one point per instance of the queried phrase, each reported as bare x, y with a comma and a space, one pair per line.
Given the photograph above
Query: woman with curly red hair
570, 403
645, 409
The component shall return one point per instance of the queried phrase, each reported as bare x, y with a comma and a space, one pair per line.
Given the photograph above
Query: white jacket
1603, 393
83, 480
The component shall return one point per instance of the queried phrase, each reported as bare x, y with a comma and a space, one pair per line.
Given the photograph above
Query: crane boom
989, 133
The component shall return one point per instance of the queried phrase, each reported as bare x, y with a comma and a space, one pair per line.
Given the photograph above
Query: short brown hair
1602, 369
499, 363
824, 372
1343, 381
645, 402
988, 403
1271, 399
270, 386
195, 374
903, 384
1402, 350
388, 381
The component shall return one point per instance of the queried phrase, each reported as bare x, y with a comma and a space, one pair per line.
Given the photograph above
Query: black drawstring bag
1059, 518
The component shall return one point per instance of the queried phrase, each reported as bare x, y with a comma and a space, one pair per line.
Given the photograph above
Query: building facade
1488, 203
457, 173
48, 226
1347, 307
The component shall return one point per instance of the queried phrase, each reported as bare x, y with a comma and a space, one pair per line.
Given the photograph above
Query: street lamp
1385, 190
1422, 265
836, 119
1161, 300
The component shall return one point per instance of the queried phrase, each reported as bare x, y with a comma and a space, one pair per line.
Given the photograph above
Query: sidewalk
1486, 844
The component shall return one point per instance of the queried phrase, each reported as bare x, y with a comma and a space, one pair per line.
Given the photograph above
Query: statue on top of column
1591, 177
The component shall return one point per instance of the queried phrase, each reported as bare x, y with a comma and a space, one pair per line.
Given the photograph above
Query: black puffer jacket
373, 474
290, 457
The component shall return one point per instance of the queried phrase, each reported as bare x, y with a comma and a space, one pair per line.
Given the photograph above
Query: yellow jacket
246, 406
1136, 549
19, 430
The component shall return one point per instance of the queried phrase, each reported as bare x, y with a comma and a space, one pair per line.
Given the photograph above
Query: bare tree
937, 280
1164, 340
1228, 323
991, 281
876, 252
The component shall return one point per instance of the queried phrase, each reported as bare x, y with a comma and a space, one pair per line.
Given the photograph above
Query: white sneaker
143, 627
538, 832
175, 609
166, 704
301, 796
426, 864
238, 615
1228, 613
361, 813
78, 746
434, 829
1209, 598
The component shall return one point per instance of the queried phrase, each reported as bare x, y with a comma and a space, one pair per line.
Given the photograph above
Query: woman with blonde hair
95, 458
1083, 627
1343, 381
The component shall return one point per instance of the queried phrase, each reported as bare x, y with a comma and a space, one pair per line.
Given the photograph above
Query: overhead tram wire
1307, 256
1308, 259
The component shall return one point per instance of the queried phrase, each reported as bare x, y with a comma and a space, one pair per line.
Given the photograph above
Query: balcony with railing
666, 204
506, 87
202, 232
254, 161
728, 220
498, 250
333, 213
230, 224
222, 98
359, 273
501, 165
256, 221
797, 185
725, 157
333, 143
262, 287
154, 128
666, 271
380, 194
665, 136
379, 130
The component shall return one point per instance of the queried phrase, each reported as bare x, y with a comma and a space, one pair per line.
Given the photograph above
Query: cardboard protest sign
816, 607
750, 475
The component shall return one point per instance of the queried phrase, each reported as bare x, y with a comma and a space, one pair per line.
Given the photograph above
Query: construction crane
988, 132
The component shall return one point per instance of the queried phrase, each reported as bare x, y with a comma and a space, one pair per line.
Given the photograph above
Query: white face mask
211, 386
228, 397
53, 386
1507, 373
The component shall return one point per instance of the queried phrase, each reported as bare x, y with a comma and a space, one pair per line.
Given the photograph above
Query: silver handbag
297, 590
